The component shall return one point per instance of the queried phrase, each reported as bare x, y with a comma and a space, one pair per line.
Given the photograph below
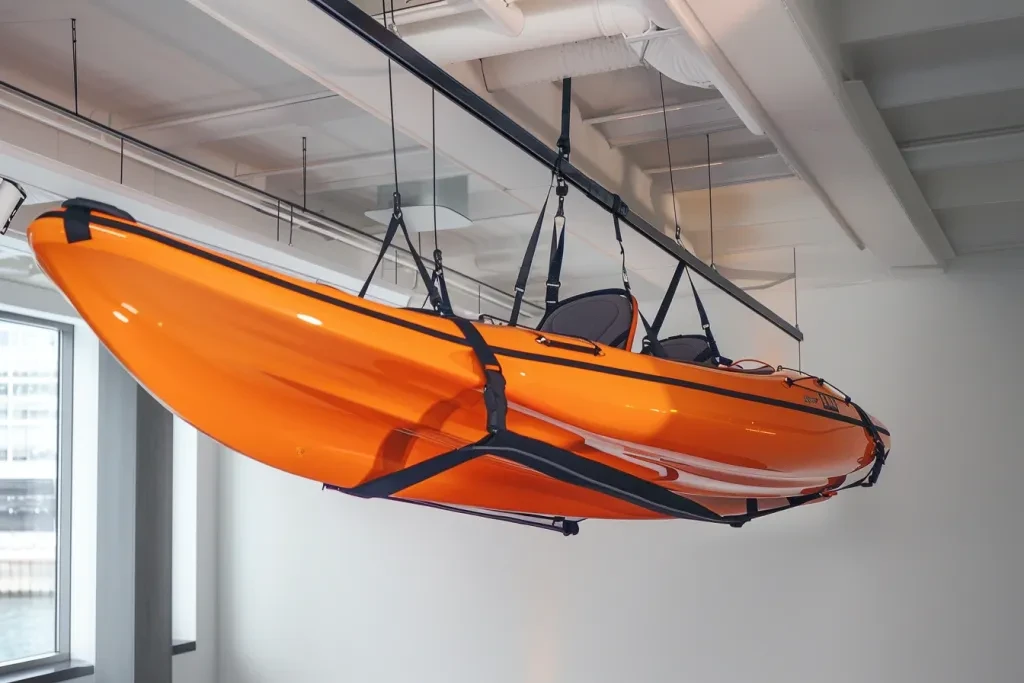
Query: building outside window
35, 428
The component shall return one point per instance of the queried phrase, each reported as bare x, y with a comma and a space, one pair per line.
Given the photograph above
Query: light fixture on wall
11, 199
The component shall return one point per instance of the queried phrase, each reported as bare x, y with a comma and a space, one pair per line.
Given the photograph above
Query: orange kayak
328, 386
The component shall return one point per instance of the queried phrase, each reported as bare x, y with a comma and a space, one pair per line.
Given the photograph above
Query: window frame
65, 417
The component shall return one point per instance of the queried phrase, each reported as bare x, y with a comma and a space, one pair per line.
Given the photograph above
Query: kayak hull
324, 385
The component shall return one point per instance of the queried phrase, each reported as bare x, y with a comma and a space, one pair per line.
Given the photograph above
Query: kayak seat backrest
688, 348
607, 316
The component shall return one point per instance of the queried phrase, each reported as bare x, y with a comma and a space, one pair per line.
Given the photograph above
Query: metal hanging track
371, 30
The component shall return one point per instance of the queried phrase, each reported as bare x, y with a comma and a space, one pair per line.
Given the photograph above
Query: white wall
915, 580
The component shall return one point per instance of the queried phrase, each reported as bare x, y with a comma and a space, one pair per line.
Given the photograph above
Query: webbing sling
666, 302
524, 267
441, 305
704, 321
561, 189
557, 249
617, 207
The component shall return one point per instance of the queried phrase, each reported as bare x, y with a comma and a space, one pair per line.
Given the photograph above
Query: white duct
574, 38
436, 10
546, 64
503, 13
472, 36
674, 55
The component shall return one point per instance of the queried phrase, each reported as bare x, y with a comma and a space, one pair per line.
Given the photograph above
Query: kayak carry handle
593, 349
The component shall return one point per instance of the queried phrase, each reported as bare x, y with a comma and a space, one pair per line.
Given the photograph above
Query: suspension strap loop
494, 380
650, 342
670, 293
398, 221
616, 208
442, 287
524, 267
706, 325
389, 236
564, 146
557, 247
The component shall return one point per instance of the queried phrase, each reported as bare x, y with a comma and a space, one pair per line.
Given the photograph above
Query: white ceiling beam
965, 79
951, 188
991, 147
986, 227
239, 122
864, 20
652, 111
178, 121
725, 172
830, 133
683, 120
674, 133
362, 160
381, 179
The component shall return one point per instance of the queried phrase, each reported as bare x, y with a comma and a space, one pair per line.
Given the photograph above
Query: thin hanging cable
796, 317
433, 152
391, 96
74, 57
711, 215
668, 153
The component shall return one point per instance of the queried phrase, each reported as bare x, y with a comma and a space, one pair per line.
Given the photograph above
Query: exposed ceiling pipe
553, 63
434, 10
675, 55
574, 38
472, 36
505, 14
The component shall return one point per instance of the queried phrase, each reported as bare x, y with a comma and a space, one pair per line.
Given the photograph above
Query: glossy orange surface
319, 383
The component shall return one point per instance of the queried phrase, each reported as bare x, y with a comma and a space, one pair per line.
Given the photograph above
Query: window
35, 456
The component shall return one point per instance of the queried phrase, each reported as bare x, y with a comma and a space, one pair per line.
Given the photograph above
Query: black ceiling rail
373, 32
271, 199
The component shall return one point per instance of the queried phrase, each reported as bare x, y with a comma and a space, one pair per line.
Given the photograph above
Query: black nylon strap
390, 484
555, 260
876, 439
651, 343
438, 278
666, 302
524, 268
389, 236
398, 221
494, 380
574, 469
704, 319
563, 140
435, 298
622, 248
76, 224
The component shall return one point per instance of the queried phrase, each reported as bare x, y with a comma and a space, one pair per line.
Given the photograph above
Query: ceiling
947, 81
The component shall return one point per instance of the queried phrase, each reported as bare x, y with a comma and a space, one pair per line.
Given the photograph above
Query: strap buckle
494, 399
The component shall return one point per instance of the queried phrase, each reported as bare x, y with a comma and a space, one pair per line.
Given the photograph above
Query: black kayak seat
605, 316
688, 348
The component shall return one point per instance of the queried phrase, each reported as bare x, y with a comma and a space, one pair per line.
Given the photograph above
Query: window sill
179, 647
49, 673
